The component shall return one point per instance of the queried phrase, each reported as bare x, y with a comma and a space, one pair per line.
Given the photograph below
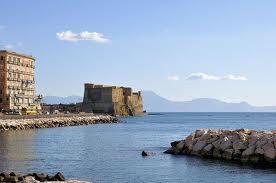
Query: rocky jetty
50, 122
35, 178
243, 145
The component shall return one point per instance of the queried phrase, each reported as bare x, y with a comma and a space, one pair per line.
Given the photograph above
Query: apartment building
17, 81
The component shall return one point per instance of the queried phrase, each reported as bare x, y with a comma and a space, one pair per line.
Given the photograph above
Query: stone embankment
50, 122
249, 146
35, 178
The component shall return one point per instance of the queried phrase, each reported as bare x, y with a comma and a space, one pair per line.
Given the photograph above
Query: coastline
33, 122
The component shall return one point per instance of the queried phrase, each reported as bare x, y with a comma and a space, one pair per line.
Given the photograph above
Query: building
17, 82
62, 108
112, 100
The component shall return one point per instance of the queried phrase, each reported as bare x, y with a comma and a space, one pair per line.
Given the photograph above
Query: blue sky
179, 49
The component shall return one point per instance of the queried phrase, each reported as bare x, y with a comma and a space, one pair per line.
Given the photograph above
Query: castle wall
112, 100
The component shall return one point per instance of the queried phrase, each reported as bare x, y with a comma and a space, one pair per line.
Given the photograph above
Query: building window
2, 58
1, 100
10, 59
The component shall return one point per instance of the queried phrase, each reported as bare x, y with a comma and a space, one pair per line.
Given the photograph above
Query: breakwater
243, 145
35, 178
18, 123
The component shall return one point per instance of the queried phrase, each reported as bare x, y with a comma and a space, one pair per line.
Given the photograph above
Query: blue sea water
112, 152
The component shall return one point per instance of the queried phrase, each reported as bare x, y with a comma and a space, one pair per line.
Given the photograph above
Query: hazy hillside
61, 100
155, 103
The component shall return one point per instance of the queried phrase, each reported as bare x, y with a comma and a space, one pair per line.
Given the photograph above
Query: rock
213, 139
169, 151
174, 143
189, 142
205, 137
199, 145
20, 178
59, 177
12, 174
216, 153
227, 154
200, 132
259, 151
216, 143
146, 153
261, 143
240, 145
269, 151
208, 148
249, 151
40, 176
243, 136
30, 179
1, 179
5, 174
236, 155
11, 179
180, 145
225, 144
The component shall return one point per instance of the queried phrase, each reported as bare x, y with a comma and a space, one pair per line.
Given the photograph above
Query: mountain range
61, 100
155, 103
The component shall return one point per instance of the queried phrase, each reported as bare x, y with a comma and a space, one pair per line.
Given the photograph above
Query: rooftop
18, 54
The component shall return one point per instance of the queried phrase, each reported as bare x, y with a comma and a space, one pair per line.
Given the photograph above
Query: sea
111, 153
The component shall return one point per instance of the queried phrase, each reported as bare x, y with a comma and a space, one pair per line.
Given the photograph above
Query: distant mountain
155, 103
61, 100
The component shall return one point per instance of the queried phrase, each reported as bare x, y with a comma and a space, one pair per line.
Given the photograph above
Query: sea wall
51, 122
243, 145
35, 178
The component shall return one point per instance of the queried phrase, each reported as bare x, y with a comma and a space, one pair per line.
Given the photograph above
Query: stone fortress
112, 100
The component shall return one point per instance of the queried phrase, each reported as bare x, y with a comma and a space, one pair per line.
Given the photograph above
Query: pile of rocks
21, 124
32, 177
250, 146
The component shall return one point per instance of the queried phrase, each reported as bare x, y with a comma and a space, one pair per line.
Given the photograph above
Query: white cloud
82, 36
203, 76
173, 78
8, 46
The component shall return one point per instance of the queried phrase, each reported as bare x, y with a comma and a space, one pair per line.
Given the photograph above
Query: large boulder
200, 132
227, 154
269, 151
40, 176
240, 145
146, 153
199, 145
58, 177
249, 151
225, 144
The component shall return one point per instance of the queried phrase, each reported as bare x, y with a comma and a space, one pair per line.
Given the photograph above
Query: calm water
112, 152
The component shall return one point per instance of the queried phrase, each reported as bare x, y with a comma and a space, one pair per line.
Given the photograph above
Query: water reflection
16, 150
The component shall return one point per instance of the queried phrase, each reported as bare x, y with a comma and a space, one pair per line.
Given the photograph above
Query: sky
179, 49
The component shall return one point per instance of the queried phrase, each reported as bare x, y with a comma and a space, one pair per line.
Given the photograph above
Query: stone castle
112, 100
